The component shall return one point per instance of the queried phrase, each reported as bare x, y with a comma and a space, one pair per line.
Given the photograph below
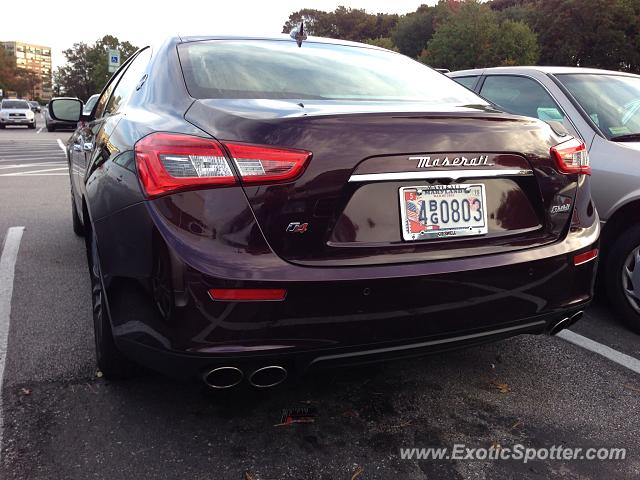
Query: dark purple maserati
260, 207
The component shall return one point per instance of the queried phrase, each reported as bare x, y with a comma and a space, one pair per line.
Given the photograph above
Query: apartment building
37, 59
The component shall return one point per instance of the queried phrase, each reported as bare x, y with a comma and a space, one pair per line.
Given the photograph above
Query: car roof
283, 37
530, 69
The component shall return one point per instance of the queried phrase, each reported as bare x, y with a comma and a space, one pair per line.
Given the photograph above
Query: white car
16, 112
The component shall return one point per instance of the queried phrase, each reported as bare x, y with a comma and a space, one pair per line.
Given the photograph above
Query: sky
61, 23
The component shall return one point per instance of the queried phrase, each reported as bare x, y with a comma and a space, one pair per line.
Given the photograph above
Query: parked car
346, 205
603, 109
16, 112
35, 107
53, 124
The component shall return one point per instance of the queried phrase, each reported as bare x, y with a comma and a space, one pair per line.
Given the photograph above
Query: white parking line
31, 165
7, 270
40, 129
30, 172
620, 358
61, 145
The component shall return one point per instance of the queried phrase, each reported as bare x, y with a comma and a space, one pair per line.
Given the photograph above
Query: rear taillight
572, 157
259, 164
169, 162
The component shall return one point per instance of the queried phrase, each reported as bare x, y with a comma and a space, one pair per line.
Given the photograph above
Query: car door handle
87, 147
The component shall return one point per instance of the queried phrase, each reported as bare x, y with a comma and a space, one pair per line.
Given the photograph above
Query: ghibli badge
461, 161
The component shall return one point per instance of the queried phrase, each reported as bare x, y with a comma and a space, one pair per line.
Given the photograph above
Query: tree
344, 23
472, 36
86, 70
316, 22
413, 31
7, 70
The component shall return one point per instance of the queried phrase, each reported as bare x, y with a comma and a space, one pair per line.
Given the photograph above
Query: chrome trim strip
435, 174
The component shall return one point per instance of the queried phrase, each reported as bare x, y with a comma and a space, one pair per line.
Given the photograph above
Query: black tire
51, 128
78, 228
616, 282
113, 364
2, 126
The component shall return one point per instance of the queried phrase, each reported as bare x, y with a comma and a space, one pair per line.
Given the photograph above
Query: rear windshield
279, 69
14, 104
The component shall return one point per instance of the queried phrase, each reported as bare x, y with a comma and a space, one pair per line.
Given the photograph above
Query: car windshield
272, 69
14, 104
611, 101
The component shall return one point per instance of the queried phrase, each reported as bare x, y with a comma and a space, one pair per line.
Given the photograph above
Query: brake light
572, 157
259, 164
247, 294
171, 162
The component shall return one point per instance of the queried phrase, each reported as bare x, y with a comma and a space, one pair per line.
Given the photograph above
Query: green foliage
344, 23
586, 33
472, 36
413, 31
384, 42
86, 71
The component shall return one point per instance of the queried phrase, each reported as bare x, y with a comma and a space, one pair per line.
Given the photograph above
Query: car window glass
128, 82
468, 82
612, 102
104, 98
266, 69
522, 96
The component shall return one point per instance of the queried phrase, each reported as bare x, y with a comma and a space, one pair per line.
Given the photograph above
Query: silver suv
16, 112
603, 108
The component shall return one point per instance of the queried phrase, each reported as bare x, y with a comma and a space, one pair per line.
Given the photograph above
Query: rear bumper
183, 365
338, 316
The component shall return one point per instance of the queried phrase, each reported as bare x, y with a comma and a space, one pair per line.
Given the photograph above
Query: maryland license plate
441, 211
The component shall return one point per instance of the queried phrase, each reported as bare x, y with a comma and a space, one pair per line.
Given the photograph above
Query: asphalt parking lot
62, 421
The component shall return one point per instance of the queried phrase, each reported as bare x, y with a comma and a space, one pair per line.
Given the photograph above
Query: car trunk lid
347, 206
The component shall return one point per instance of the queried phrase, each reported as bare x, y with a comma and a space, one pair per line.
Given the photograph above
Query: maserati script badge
428, 161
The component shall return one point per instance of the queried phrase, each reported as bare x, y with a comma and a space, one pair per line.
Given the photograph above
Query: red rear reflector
169, 162
585, 257
572, 157
247, 294
260, 164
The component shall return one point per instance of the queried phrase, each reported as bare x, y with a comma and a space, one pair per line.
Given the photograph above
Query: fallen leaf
248, 475
515, 425
25, 391
359, 471
502, 387
631, 387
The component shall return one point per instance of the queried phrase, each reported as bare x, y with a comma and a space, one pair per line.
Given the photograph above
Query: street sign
114, 60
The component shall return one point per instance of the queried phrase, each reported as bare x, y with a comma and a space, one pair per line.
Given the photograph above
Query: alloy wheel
631, 278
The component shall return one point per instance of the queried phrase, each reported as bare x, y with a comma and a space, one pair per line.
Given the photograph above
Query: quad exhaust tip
223, 377
565, 322
268, 376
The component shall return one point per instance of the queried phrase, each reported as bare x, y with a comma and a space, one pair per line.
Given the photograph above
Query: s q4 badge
297, 227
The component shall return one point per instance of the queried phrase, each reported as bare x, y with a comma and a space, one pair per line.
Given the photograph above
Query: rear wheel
51, 128
2, 126
111, 361
622, 277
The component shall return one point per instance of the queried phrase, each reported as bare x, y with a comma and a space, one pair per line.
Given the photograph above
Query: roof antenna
298, 34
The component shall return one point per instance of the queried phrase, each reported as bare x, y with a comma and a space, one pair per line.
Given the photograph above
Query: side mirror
65, 109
